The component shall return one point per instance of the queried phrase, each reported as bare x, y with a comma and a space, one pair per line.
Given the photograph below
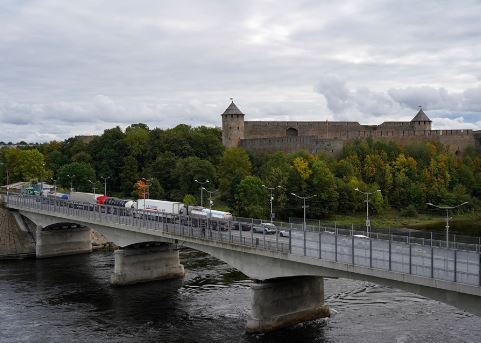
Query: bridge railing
386, 252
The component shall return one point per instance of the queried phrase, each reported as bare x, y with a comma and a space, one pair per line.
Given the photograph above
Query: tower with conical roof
421, 121
232, 126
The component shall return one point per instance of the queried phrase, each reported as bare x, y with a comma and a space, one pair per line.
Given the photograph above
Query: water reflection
70, 299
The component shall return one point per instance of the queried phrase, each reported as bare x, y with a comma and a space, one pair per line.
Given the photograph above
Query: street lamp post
271, 189
210, 200
367, 194
304, 207
93, 184
71, 181
54, 186
105, 183
447, 208
146, 190
202, 190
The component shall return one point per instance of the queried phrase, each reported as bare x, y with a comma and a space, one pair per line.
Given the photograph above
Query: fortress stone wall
324, 136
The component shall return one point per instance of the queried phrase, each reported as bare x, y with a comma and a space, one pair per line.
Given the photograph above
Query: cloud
446, 108
96, 64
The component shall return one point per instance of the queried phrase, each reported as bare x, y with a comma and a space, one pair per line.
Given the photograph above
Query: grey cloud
97, 64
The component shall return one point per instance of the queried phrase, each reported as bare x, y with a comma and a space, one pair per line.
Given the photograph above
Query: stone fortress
325, 136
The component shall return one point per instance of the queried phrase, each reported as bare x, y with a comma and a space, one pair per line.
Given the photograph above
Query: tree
189, 200
156, 191
233, 167
26, 165
322, 183
129, 174
77, 173
251, 198
191, 168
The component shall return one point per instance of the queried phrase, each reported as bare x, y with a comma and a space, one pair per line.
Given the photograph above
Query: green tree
191, 168
77, 173
322, 183
251, 198
26, 165
129, 174
155, 190
189, 200
233, 167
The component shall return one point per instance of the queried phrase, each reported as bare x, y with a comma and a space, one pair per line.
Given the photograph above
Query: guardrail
386, 252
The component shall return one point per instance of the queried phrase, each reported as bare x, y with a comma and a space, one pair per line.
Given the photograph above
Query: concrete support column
278, 303
62, 240
146, 263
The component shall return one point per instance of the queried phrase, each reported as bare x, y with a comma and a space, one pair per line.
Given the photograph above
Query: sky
78, 67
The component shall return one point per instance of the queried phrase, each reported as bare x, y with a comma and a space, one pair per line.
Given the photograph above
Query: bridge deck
447, 268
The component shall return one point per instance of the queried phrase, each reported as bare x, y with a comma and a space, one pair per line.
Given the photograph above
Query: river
68, 299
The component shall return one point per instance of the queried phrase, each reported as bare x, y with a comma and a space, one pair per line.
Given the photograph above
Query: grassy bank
465, 224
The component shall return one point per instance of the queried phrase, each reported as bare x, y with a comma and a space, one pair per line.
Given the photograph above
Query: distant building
325, 136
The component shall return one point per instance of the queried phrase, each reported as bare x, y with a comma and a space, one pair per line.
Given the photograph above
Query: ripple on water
69, 299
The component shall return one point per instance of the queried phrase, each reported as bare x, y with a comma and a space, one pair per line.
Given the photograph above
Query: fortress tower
232, 126
421, 121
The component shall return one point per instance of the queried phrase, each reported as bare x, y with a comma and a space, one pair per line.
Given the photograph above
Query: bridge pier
278, 303
143, 263
62, 239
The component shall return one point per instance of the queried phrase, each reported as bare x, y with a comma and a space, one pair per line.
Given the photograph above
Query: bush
409, 211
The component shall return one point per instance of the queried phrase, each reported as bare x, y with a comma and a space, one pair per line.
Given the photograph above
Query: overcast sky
79, 67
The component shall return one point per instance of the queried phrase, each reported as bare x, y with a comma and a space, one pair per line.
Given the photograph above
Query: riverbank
17, 237
15, 242
464, 224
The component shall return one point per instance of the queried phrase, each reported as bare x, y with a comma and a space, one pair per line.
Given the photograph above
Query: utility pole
105, 183
202, 190
368, 222
304, 207
210, 200
447, 208
71, 181
271, 189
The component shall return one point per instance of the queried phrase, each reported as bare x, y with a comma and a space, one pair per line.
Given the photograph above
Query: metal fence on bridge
400, 254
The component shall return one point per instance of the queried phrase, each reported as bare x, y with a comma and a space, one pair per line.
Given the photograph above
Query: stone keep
232, 126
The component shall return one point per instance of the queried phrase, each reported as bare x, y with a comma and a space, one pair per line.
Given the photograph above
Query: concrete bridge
288, 271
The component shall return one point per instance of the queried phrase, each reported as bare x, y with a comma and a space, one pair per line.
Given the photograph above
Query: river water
68, 299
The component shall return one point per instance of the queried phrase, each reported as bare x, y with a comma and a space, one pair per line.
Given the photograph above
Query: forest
169, 160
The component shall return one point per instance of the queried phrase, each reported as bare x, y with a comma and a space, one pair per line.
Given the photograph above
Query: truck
171, 207
90, 198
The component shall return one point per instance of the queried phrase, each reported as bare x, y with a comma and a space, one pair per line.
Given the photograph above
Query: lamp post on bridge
93, 184
210, 200
304, 207
71, 181
447, 208
146, 190
105, 183
202, 190
271, 189
368, 222
54, 186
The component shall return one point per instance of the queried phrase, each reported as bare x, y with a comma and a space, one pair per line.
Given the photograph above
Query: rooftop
421, 116
232, 109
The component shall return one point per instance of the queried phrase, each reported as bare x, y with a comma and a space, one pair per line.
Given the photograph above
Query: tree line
170, 160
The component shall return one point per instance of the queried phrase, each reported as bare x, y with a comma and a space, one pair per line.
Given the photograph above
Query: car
243, 226
264, 228
361, 236
283, 233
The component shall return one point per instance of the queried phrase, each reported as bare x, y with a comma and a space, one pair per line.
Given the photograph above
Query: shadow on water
70, 299
313, 331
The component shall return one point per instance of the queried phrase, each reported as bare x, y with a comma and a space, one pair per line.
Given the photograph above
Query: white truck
90, 198
163, 206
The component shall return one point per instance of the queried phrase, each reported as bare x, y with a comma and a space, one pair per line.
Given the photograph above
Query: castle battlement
329, 136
